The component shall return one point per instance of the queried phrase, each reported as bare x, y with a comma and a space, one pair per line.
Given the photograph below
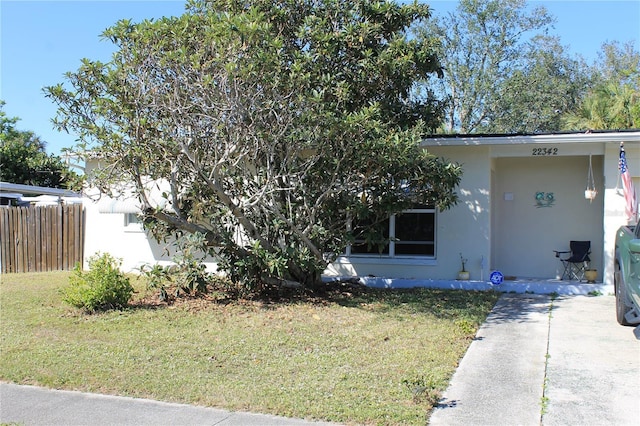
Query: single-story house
521, 198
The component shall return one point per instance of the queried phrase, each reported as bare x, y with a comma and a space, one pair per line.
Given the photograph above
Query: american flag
630, 198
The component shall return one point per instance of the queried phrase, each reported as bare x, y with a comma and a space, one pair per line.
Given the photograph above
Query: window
379, 231
415, 233
132, 223
409, 234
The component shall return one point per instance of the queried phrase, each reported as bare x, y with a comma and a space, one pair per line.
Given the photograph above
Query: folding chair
577, 260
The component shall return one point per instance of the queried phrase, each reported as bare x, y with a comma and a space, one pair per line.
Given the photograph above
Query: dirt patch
327, 293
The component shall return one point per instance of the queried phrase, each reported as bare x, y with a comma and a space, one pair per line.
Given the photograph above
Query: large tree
544, 85
24, 160
270, 124
484, 48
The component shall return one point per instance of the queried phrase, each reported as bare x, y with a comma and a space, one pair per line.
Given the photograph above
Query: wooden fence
39, 239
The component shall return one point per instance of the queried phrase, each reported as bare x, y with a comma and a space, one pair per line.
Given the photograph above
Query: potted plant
590, 275
463, 274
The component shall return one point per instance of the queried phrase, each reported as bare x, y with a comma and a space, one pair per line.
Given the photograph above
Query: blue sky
41, 40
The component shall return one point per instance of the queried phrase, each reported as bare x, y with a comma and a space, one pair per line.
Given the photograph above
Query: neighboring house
521, 198
13, 194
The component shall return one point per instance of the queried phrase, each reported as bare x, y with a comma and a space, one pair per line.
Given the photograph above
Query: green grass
373, 357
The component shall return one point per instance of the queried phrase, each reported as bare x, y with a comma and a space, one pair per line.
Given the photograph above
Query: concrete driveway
552, 362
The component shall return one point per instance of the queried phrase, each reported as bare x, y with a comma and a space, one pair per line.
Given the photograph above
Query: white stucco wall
462, 229
107, 230
526, 234
498, 219
107, 233
515, 171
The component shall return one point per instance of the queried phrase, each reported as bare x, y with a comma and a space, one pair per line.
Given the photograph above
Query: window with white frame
132, 223
409, 234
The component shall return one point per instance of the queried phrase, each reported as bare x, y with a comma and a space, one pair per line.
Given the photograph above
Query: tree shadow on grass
441, 303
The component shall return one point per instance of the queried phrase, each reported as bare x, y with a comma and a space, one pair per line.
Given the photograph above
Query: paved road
30, 405
535, 361
538, 361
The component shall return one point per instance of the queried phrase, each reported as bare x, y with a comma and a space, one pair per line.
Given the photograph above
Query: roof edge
521, 139
40, 190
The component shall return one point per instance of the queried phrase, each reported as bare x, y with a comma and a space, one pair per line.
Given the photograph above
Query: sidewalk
30, 405
541, 362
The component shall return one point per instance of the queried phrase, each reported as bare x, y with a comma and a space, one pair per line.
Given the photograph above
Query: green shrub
101, 288
189, 274
158, 278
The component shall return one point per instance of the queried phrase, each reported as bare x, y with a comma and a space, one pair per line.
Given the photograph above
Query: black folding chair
577, 261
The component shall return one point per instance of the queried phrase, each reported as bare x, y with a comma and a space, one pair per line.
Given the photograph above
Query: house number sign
544, 151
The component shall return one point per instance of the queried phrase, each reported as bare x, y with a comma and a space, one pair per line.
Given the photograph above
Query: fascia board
470, 140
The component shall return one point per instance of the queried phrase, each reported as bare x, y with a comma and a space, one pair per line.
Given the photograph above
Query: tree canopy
480, 44
502, 72
613, 101
24, 160
545, 86
269, 125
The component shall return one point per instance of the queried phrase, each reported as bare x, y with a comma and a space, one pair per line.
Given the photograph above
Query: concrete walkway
538, 361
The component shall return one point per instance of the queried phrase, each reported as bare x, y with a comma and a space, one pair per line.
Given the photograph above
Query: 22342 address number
544, 151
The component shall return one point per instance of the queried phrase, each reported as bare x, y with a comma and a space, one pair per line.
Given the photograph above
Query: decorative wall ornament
544, 199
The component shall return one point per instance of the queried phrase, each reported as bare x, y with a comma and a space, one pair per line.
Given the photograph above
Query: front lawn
356, 357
